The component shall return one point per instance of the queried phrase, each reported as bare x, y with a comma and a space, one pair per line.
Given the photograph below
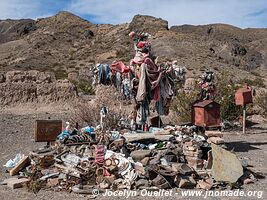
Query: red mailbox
243, 96
206, 113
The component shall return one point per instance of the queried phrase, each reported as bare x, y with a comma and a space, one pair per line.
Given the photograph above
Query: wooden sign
47, 130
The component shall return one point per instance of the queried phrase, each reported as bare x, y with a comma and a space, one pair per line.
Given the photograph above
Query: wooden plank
145, 136
22, 164
17, 182
47, 130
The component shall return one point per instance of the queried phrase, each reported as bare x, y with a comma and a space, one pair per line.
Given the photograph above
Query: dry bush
88, 113
225, 96
182, 105
261, 102
84, 86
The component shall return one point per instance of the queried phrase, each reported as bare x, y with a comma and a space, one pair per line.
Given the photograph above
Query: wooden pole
244, 119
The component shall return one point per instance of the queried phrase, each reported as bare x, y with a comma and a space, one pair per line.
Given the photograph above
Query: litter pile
161, 158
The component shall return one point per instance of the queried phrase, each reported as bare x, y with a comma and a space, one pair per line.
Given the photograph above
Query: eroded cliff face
34, 86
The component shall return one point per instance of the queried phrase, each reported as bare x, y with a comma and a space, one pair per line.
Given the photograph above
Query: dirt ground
16, 126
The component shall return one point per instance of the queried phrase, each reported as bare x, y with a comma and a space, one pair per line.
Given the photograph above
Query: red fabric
120, 67
157, 93
139, 58
99, 154
132, 34
106, 173
142, 44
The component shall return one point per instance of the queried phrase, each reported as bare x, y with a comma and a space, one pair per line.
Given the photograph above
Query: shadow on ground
243, 146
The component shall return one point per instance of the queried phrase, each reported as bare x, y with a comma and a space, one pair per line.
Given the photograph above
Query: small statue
207, 86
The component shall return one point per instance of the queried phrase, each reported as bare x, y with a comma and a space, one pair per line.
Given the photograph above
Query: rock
2, 78
52, 182
194, 162
185, 169
208, 163
190, 143
215, 140
148, 24
182, 168
213, 133
197, 154
15, 76
140, 154
141, 183
185, 182
88, 34
145, 161
204, 185
73, 76
104, 185
203, 173
248, 181
226, 166
139, 169
45, 77
110, 178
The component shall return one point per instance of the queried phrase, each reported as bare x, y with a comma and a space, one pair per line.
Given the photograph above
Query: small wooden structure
206, 114
47, 130
243, 96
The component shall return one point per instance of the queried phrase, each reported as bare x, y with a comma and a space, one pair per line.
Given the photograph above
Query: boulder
148, 24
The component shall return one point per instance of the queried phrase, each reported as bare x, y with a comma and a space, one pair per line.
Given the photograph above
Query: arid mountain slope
65, 42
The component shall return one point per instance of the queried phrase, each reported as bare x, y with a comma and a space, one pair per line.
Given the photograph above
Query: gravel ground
16, 126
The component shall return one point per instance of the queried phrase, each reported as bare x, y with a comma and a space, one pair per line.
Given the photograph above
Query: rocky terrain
34, 87
17, 137
37, 55
65, 43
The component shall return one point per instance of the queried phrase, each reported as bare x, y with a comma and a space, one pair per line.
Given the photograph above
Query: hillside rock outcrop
34, 86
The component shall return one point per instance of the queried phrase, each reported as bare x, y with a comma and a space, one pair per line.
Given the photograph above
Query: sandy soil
16, 126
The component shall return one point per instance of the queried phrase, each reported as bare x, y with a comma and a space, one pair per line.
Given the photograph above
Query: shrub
182, 105
60, 74
258, 82
261, 102
85, 87
225, 96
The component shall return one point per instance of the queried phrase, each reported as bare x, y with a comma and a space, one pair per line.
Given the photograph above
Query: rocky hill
65, 43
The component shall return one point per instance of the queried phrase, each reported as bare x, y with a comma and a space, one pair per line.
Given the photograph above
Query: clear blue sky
241, 13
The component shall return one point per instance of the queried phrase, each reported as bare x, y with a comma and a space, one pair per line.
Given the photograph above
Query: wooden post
244, 119
101, 122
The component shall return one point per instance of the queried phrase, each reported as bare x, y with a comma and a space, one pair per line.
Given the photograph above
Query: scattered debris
131, 160
15, 183
21, 164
